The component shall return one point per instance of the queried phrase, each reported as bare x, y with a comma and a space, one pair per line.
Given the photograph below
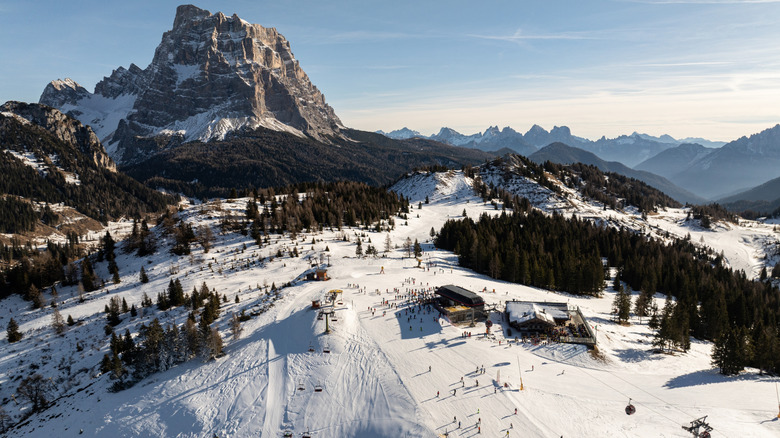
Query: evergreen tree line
331, 205
158, 348
707, 213
549, 252
713, 302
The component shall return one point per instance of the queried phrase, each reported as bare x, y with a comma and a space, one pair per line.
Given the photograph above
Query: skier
515, 411
437, 394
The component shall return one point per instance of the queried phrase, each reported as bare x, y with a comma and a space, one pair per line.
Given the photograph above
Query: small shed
321, 274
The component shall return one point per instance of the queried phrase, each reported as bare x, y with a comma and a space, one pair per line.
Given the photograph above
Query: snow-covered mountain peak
211, 75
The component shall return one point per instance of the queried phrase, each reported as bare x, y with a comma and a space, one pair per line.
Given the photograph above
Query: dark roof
460, 295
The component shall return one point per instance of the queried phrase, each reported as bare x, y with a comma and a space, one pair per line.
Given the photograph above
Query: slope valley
376, 380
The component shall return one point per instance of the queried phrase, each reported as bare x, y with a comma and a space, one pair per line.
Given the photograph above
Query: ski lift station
459, 304
555, 321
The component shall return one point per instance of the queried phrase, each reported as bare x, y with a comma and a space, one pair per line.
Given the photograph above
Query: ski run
389, 367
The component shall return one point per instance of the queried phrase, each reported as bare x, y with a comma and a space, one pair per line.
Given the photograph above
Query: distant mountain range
627, 149
698, 170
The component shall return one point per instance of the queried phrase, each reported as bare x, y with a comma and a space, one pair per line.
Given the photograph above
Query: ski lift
287, 434
326, 348
306, 434
318, 388
301, 386
319, 316
630, 409
696, 425
311, 347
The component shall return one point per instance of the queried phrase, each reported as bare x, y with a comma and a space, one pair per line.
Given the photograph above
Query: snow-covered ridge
748, 246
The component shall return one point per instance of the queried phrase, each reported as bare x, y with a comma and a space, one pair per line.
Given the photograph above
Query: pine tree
728, 352
388, 243
417, 249
35, 296
14, 335
71, 322
114, 306
235, 326
621, 306
88, 277
665, 333
213, 344
359, 249
57, 323
643, 303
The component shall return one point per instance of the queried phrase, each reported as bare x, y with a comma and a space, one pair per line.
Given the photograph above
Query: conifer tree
729, 351
35, 296
621, 306
14, 335
57, 323
114, 307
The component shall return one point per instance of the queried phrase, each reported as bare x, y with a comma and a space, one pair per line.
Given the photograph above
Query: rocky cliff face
63, 128
211, 75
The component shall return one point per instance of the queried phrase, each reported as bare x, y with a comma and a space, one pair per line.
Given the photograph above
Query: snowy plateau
384, 375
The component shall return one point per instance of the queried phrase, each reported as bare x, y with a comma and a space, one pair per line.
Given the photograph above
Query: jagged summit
211, 75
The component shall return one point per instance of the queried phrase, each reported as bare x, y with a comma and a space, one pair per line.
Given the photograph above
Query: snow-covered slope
391, 371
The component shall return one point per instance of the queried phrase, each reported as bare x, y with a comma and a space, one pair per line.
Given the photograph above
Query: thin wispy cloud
684, 64
362, 36
386, 67
520, 36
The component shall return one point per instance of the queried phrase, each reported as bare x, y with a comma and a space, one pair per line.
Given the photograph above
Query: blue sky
683, 67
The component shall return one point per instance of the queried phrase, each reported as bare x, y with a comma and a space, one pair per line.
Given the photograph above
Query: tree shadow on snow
712, 376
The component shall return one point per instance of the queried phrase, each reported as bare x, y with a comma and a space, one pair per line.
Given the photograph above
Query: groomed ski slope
376, 380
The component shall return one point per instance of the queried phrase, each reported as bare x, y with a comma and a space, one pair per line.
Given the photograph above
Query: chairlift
630, 409
318, 388
319, 316
287, 434
301, 386
326, 348
306, 434
311, 347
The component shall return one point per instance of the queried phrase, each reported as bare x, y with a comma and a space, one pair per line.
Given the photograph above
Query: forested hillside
266, 158
712, 301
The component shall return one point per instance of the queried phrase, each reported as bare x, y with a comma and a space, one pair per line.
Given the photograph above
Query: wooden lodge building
554, 321
459, 304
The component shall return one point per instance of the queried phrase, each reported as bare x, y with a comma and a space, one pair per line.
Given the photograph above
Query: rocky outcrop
210, 76
63, 128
